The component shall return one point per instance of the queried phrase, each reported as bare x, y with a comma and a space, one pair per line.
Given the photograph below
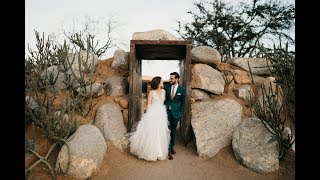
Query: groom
175, 103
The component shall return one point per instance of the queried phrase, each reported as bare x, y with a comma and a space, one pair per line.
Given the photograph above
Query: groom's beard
173, 83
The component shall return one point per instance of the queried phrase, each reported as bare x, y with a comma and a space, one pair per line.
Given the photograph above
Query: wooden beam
138, 85
132, 87
187, 74
185, 122
161, 52
159, 42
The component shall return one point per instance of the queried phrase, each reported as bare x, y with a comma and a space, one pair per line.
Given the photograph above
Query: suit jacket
178, 102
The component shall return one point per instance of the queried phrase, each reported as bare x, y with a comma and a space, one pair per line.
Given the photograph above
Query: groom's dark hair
155, 82
176, 75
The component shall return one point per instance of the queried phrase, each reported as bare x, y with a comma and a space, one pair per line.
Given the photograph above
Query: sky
50, 16
127, 16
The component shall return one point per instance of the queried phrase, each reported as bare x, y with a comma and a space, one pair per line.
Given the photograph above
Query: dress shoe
170, 156
173, 151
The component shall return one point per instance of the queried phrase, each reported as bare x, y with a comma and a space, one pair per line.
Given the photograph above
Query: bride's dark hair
155, 82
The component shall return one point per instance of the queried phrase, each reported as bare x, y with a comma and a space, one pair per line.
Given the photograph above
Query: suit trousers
173, 122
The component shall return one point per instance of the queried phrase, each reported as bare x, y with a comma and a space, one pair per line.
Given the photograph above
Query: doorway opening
177, 50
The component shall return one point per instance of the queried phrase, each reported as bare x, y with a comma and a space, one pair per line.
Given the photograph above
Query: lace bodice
157, 98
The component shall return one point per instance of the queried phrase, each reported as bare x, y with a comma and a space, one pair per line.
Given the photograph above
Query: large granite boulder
117, 86
206, 55
109, 120
157, 34
120, 61
253, 146
87, 149
206, 78
213, 123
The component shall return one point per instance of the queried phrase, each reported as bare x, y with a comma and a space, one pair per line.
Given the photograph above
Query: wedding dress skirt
151, 139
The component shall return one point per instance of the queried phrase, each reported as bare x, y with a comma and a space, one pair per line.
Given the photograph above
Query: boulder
198, 94
206, 78
120, 61
253, 146
124, 103
205, 55
259, 66
87, 149
244, 92
213, 123
242, 77
157, 34
109, 120
117, 86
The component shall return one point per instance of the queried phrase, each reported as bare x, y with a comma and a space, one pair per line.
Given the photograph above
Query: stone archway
159, 50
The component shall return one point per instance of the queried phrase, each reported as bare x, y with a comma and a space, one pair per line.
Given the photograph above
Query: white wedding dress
151, 139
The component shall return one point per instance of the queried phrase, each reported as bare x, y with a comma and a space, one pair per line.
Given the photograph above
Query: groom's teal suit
175, 111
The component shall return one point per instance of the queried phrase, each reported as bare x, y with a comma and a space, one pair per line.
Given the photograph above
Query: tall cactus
283, 69
269, 113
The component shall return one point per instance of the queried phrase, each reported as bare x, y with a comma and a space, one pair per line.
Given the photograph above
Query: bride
151, 139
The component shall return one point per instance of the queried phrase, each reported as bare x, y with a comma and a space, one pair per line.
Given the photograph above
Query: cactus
86, 41
81, 80
48, 80
44, 159
269, 114
83, 105
283, 69
55, 128
83, 100
58, 128
45, 55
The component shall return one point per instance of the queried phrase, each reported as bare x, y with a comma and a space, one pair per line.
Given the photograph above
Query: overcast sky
53, 16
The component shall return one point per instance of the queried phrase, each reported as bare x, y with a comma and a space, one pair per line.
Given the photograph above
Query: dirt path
185, 165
